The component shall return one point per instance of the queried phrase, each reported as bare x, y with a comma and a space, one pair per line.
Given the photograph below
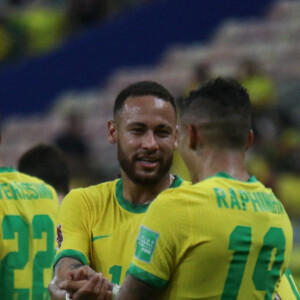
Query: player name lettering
24, 191
241, 200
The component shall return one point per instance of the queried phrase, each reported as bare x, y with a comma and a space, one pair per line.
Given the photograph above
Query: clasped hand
85, 283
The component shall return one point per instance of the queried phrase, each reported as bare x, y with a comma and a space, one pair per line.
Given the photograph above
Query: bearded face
144, 168
145, 133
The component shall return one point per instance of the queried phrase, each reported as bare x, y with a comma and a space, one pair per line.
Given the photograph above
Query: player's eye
137, 130
163, 132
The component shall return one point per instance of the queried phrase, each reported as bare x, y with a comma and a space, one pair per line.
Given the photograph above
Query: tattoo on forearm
61, 264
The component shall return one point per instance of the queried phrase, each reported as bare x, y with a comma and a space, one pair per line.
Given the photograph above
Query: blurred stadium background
63, 62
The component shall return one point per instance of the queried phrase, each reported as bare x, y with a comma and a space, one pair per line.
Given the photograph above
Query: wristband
67, 296
115, 291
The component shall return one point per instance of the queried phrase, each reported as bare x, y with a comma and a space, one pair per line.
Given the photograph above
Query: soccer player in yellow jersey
99, 224
224, 237
28, 208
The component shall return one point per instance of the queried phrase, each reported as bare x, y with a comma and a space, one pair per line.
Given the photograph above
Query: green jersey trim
176, 182
73, 254
134, 208
146, 276
7, 170
138, 208
289, 277
252, 179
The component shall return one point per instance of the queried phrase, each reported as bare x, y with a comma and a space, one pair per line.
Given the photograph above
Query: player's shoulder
27, 186
179, 182
182, 194
102, 187
94, 193
11, 174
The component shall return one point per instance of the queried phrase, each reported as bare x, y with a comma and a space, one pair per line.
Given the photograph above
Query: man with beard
227, 236
98, 225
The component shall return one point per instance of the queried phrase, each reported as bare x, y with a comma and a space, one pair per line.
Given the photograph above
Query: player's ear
250, 139
192, 131
112, 131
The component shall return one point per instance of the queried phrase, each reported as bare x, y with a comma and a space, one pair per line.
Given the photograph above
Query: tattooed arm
63, 266
135, 289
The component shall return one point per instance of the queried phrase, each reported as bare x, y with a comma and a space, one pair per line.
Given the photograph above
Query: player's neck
230, 162
141, 194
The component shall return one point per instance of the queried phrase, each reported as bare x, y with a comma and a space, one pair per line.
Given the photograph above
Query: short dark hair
143, 88
222, 108
47, 163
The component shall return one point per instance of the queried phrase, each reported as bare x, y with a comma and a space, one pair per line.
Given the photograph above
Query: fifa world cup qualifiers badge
59, 236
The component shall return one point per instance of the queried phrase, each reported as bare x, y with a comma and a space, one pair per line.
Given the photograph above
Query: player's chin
148, 178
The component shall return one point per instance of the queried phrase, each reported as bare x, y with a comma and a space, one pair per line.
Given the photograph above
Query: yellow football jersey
218, 239
99, 227
287, 289
28, 209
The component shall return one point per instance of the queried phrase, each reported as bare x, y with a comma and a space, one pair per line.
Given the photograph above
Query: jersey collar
252, 179
7, 170
138, 208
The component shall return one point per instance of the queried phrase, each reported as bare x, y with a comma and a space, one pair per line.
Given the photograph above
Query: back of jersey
240, 243
27, 235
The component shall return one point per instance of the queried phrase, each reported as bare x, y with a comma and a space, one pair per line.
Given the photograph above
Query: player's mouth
148, 162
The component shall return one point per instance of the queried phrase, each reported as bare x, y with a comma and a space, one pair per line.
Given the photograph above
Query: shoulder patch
146, 243
59, 236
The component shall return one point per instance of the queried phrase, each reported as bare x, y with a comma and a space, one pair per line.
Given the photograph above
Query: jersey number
116, 272
265, 275
16, 227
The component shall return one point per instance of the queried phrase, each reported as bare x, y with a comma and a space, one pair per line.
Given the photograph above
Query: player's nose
149, 141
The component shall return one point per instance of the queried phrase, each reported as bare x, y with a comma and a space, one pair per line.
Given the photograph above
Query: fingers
80, 274
84, 272
70, 285
96, 288
101, 288
109, 295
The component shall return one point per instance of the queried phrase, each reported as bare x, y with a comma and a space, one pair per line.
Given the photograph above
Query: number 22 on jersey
15, 227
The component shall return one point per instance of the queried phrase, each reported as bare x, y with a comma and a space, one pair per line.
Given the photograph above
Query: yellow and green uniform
287, 289
217, 239
28, 209
99, 227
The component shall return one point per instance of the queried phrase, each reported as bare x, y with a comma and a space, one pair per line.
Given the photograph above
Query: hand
95, 288
82, 273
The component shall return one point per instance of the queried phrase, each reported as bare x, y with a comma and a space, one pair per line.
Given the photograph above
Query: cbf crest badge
59, 236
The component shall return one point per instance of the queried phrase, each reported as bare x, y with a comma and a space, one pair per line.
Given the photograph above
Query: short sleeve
73, 234
160, 243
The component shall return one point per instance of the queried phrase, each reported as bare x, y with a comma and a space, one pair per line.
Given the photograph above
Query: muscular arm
61, 269
134, 289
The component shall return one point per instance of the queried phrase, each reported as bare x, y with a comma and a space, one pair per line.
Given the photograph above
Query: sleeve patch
59, 236
146, 243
